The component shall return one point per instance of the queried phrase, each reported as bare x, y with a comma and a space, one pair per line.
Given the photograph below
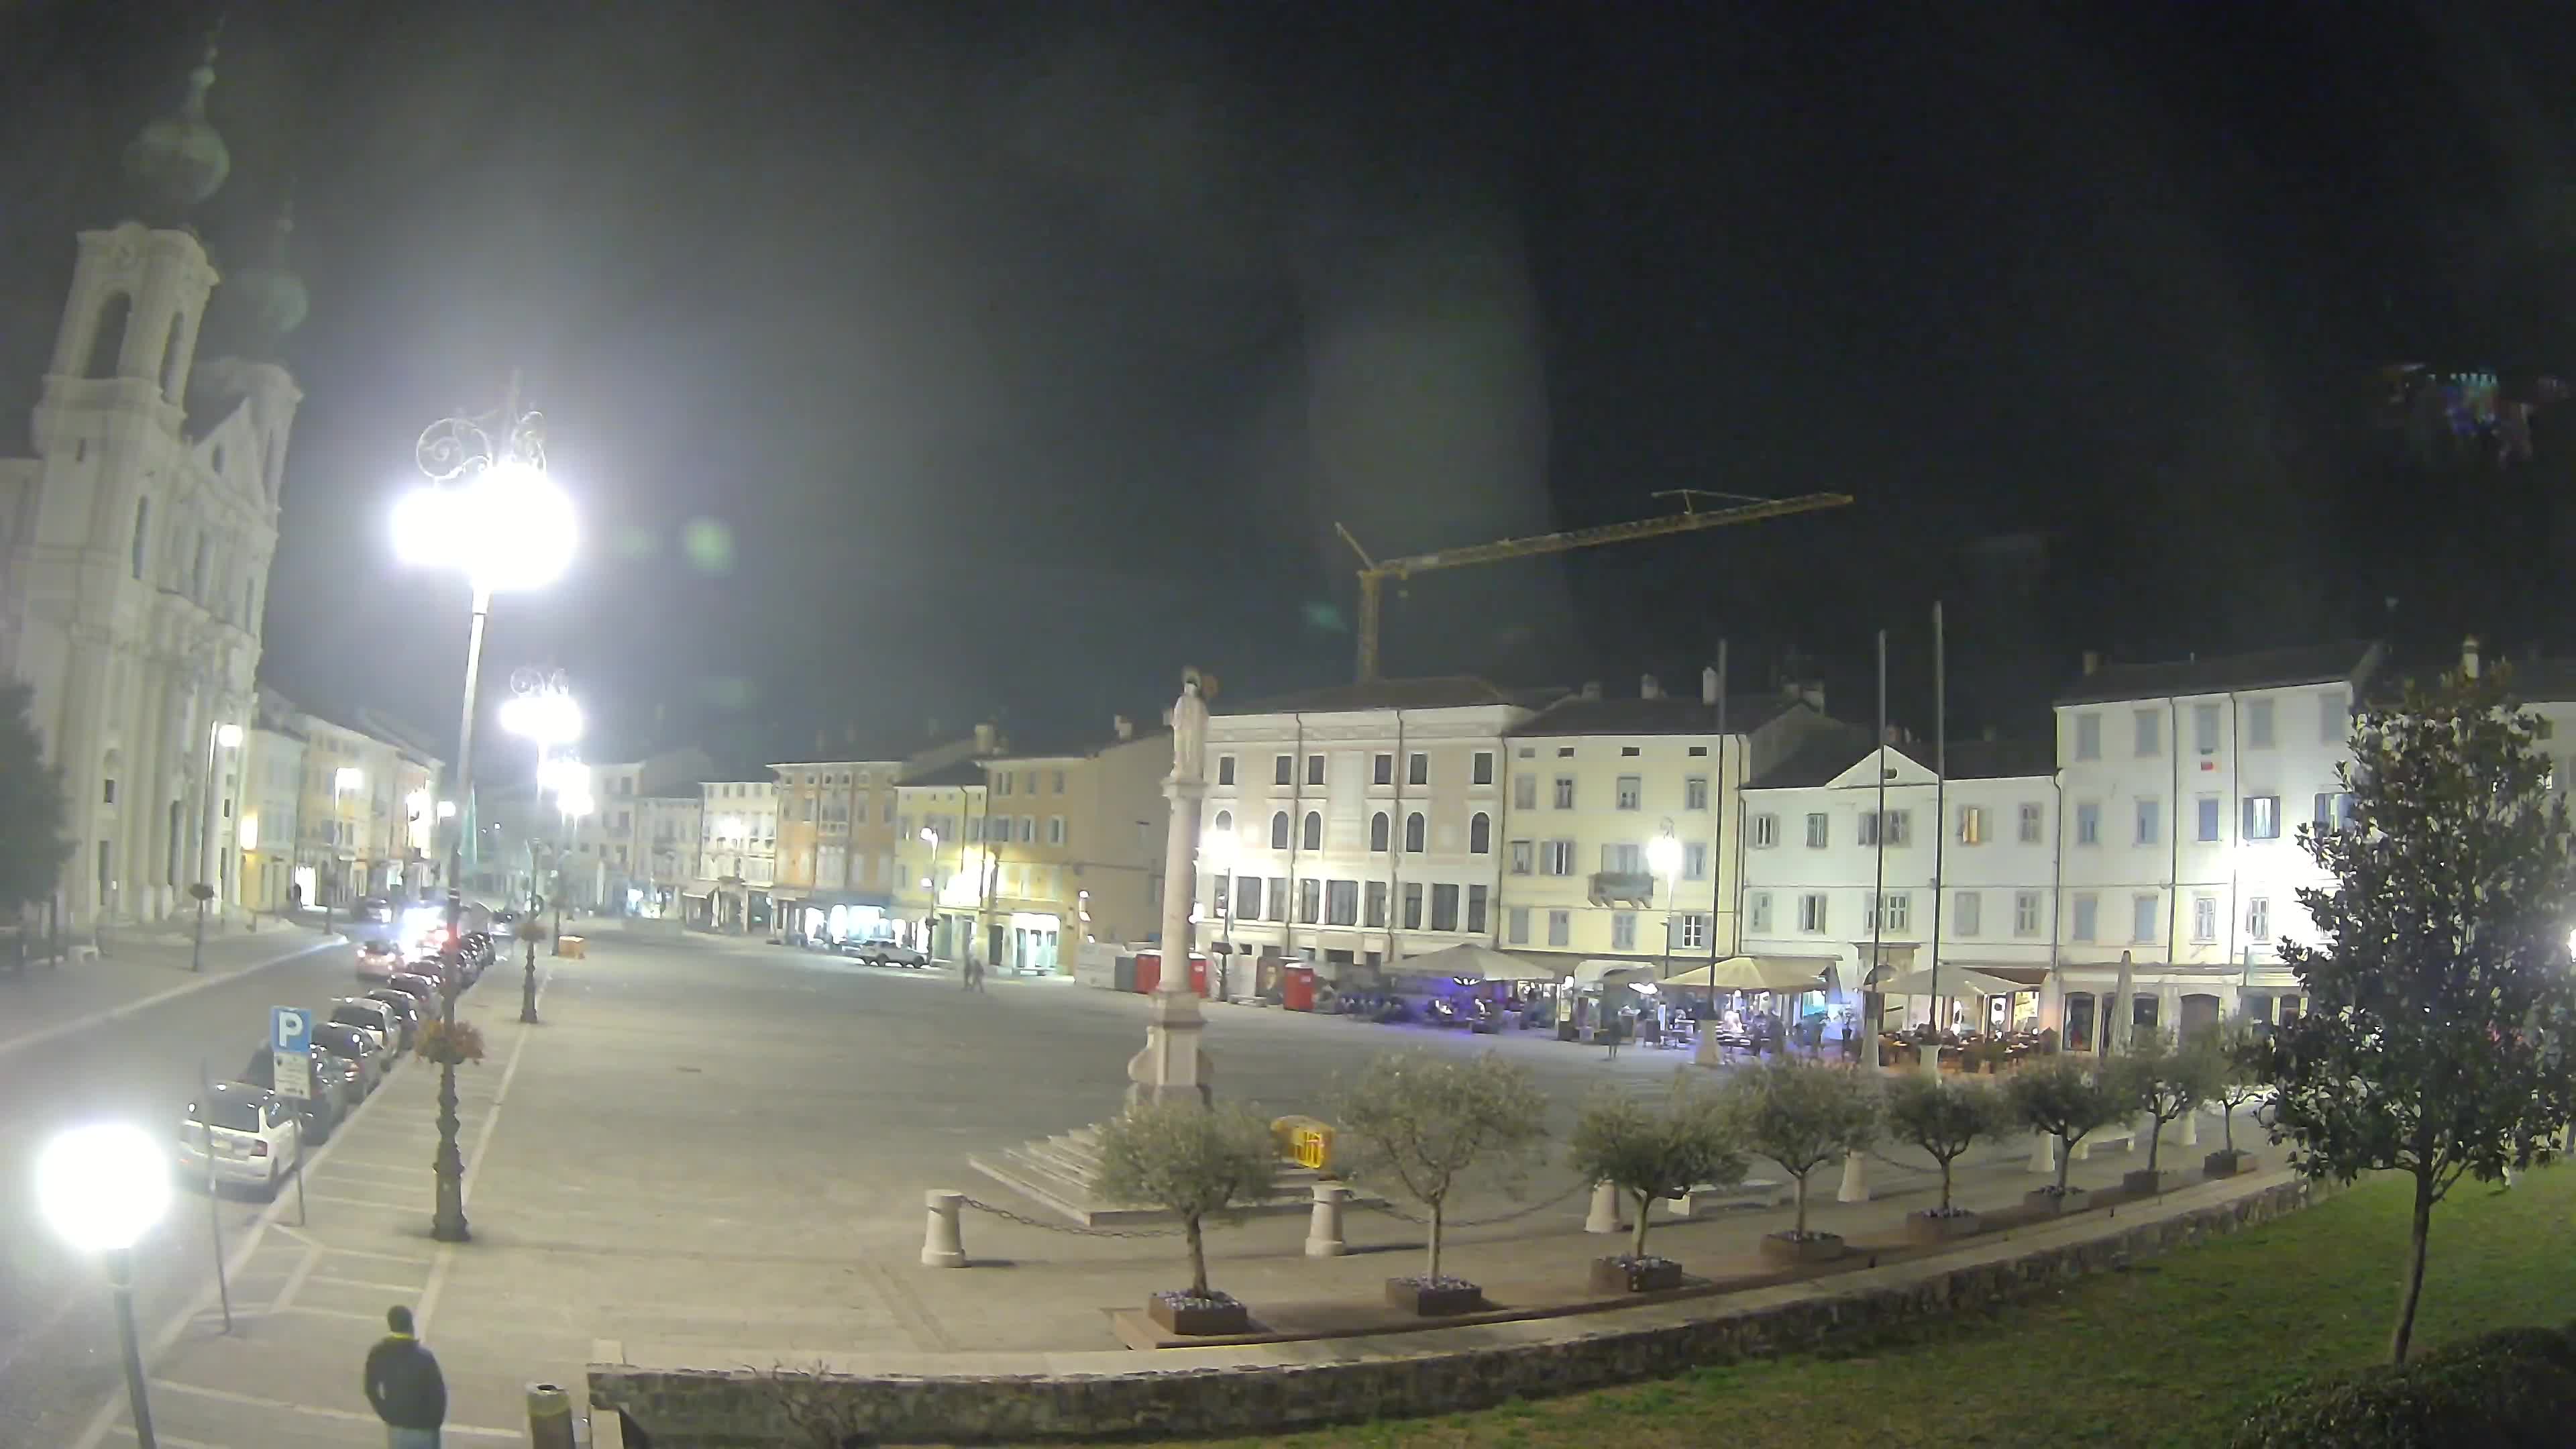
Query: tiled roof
955, 773
1078, 746
1577, 715
2265, 669
1829, 754
1448, 692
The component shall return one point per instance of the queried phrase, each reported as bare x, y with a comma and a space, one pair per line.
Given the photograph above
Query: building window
1695, 860
2088, 737
1516, 926
1476, 899
1520, 857
1225, 769
1967, 913
1525, 792
1694, 932
2088, 822
1314, 769
1631, 792
1028, 830
1811, 913
1819, 830
1002, 783
1377, 831
1224, 822
1757, 910
1282, 771
1417, 770
2205, 825
2088, 910
2204, 918
1629, 751
1695, 792
2150, 821
1444, 908
2025, 913
1310, 901
142, 530
1342, 903
1623, 858
1565, 792
2262, 817
2142, 918
2204, 728
1895, 910
1221, 896
107, 791
1382, 770
1896, 826
1556, 857
1279, 831
2258, 724
2258, 920
1764, 831
1484, 768
1560, 928
1313, 838
1480, 834
1413, 833
2333, 810
1972, 825
1623, 930
1565, 752
2332, 722
1055, 830
2150, 732
1375, 903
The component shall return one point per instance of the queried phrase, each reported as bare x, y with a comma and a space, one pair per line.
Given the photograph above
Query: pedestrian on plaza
404, 1385
1610, 1024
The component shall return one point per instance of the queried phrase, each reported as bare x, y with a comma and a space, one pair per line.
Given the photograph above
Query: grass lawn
2170, 1353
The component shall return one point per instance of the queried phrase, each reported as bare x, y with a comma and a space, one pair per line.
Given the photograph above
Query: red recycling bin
1149, 972
1297, 988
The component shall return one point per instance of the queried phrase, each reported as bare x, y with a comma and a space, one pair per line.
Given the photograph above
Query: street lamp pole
101, 1187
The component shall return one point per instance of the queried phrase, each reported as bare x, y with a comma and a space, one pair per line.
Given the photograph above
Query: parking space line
295, 1280
394, 1207
367, 1283
173, 1440
370, 1318
429, 1294
318, 1411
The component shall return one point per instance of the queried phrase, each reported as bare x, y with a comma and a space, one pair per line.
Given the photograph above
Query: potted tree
1945, 1119
1802, 1116
2236, 1078
1647, 1153
1426, 1124
2167, 1083
1197, 1162
2068, 1101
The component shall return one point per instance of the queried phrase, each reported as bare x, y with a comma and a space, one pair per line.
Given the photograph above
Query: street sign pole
290, 1055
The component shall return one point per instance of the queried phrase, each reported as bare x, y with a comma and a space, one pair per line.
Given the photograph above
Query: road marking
295, 1280
63, 1029
332, 1313
367, 1283
318, 1411
173, 1440
364, 1202
437, 1284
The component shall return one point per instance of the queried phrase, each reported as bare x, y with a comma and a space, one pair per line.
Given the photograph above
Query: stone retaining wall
970, 1398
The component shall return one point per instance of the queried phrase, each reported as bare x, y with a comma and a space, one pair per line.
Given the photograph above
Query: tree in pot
2236, 1052
1198, 1163
2441, 996
2167, 1082
1945, 1119
2069, 1101
1649, 1152
1802, 1116
1427, 1124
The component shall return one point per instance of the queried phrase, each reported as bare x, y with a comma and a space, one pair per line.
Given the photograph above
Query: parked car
373, 909
357, 1051
886, 953
377, 959
337, 1087
409, 1013
371, 1016
254, 1133
421, 986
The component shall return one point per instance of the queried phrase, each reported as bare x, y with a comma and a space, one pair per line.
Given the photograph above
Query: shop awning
825, 900
1482, 962
1611, 971
1957, 982
1757, 973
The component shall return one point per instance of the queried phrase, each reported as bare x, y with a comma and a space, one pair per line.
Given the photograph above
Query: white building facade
737, 853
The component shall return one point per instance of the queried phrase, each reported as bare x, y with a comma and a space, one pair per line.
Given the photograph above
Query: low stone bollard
941, 1246
1604, 1216
549, 1417
1324, 1225
1855, 1184
2043, 1154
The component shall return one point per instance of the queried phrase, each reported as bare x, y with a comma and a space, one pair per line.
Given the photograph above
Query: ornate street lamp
491, 513
101, 1187
540, 710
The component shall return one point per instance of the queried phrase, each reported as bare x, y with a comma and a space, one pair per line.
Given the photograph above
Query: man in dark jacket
405, 1386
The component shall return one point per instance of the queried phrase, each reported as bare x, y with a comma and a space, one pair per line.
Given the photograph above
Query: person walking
404, 1385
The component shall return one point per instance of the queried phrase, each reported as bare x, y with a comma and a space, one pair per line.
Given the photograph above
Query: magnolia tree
1428, 1124
1945, 1119
1802, 1116
1656, 1151
2167, 1082
2440, 1000
2068, 1101
1196, 1162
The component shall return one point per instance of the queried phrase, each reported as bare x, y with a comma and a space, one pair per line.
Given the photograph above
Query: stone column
1603, 1216
1855, 1184
1173, 1066
2043, 1154
1324, 1221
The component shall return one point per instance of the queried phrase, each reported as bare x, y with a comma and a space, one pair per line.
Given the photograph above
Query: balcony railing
1634, 887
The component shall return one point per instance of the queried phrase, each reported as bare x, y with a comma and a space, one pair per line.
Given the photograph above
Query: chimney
984, 744
1122, 726
1592, 689
1813, 692
1895, 735
2092, 661
1649, 687
1708, 685
2469, 657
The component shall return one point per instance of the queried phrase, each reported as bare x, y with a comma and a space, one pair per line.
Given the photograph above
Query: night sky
928, 361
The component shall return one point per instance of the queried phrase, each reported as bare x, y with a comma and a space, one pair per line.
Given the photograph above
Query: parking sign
290, 1045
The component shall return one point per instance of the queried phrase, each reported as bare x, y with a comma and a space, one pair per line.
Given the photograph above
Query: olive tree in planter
1198, 1163
1802, 1116
1427, 1124
2068, 1101
1945, 1119
1649, 1152
2236, 1077
2167, 1082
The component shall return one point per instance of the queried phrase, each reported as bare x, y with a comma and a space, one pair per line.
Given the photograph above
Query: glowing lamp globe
507, 527
102, 1187
1663, 854
549, 718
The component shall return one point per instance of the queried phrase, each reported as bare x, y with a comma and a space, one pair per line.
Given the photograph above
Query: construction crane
1375, 572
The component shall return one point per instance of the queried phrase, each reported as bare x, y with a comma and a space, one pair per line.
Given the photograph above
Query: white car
884, 953
254, 1134
372, 1017
377, 961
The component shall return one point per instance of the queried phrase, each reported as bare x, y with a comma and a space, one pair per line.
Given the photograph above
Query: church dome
267, 296
179, 160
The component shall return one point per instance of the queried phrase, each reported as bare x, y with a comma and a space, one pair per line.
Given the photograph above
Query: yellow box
1304, 1141
574, 947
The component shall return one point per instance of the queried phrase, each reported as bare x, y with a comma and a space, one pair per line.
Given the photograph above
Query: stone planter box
2224, 1163
1182, 1313
2048, 1200
1932, 1227
2143, 1183
1635, 1275
1813, 1248
1434, 1297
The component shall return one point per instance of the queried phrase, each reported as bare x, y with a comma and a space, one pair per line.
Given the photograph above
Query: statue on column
1172, 1066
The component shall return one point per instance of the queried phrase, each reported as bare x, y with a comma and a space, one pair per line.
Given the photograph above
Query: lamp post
1664, 858
541, 710
101, 1187
1217, 852
492, 513
575, 801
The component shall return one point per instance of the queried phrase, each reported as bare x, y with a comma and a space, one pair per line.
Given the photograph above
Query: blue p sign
290, 1029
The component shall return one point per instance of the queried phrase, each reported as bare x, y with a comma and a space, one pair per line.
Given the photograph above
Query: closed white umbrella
2118, 1013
